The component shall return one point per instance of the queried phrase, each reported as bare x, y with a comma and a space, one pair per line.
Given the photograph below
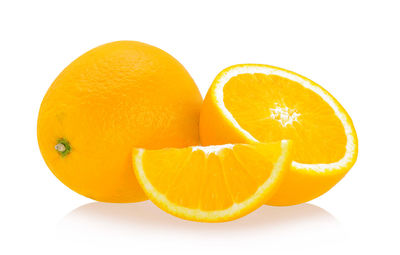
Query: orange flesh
209, 182
272, 108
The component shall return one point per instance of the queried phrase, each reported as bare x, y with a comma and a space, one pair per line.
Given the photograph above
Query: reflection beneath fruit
119, 219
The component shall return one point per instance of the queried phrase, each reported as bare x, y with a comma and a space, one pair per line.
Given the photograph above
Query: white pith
251, 69
284, 115
258, 197
212, 148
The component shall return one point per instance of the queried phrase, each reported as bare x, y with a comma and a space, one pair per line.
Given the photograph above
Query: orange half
259, 103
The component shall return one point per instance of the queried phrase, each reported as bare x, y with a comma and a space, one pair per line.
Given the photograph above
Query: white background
349, 47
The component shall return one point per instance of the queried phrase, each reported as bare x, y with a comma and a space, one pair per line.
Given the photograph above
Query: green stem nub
63, 147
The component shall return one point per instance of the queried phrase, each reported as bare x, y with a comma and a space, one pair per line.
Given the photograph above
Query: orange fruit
259, 103
215, 183
110, 99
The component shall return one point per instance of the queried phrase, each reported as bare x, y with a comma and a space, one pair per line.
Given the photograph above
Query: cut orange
214, 183
259, 103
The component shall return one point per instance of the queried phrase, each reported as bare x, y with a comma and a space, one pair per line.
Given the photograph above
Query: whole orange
115, 97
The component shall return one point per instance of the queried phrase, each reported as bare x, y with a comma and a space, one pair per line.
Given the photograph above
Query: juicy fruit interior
272, 108
210, 179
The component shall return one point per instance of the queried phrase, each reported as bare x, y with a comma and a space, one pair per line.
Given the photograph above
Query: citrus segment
214, 183
260, 103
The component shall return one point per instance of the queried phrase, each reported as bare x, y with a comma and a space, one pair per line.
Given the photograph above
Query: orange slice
259, 103
214, 183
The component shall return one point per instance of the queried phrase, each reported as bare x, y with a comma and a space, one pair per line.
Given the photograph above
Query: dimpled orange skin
115, 97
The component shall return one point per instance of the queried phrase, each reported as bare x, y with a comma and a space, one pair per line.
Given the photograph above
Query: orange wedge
259, 103
213, 183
